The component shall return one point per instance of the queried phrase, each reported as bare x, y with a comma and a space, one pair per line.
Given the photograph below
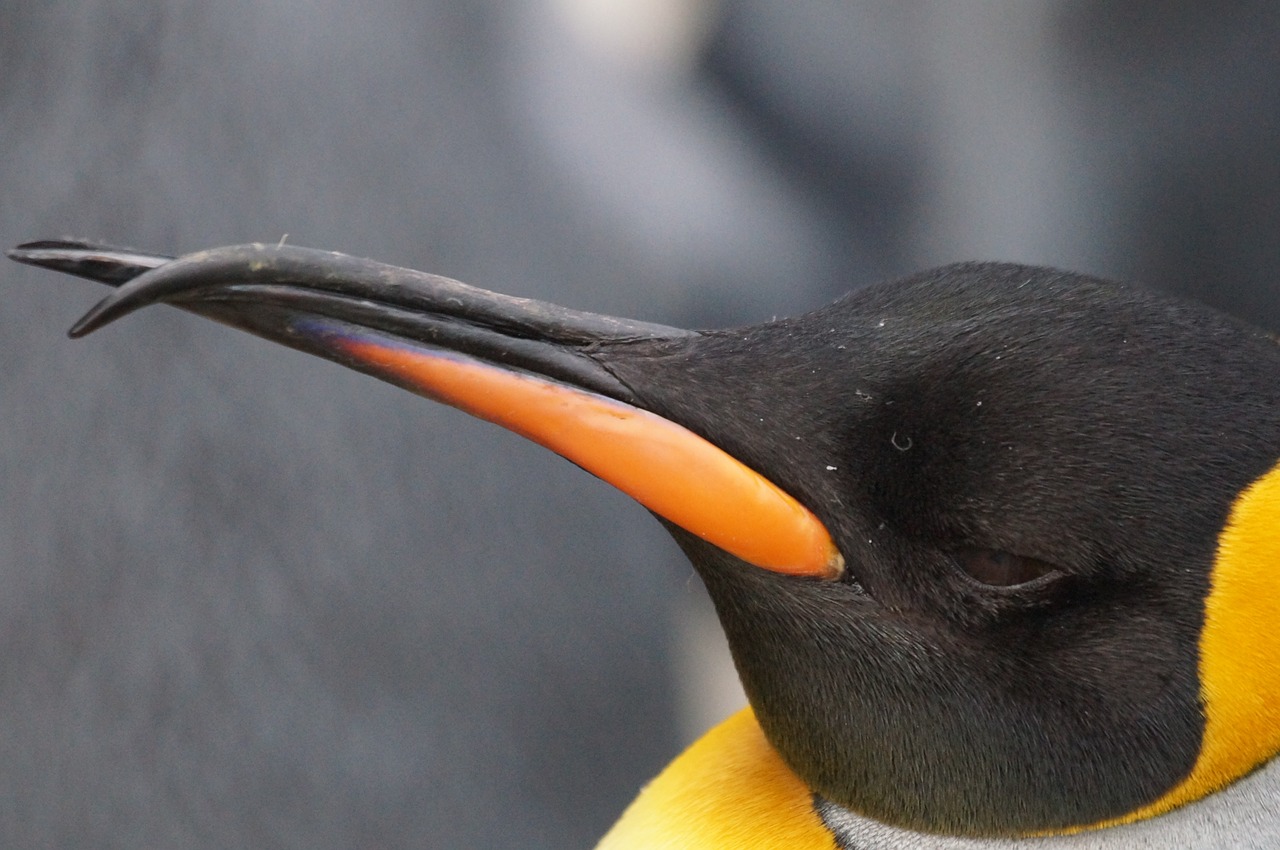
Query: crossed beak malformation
519, 363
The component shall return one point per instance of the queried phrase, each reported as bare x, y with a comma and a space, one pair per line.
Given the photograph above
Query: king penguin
996, 548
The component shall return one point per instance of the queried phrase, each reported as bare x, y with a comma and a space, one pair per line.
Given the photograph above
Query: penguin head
1029, 474
1014, 571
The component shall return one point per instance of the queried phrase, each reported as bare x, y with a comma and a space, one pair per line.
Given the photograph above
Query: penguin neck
872, 719
1244, 814
732, 790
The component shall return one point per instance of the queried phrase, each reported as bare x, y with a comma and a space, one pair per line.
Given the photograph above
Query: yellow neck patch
729, 790
1239, 652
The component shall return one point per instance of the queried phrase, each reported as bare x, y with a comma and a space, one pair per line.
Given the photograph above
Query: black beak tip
49, 254
103, 313
24, 253
99, 315
45, 253
102, 263
80, 328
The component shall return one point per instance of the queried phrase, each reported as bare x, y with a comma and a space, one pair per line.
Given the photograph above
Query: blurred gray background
250, 600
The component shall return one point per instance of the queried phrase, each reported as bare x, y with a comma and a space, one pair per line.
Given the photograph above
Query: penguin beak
522, 364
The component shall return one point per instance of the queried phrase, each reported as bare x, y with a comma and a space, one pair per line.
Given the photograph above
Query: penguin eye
1000, 569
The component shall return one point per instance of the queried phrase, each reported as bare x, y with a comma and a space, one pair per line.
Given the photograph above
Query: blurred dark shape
1186, 99
828, 91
